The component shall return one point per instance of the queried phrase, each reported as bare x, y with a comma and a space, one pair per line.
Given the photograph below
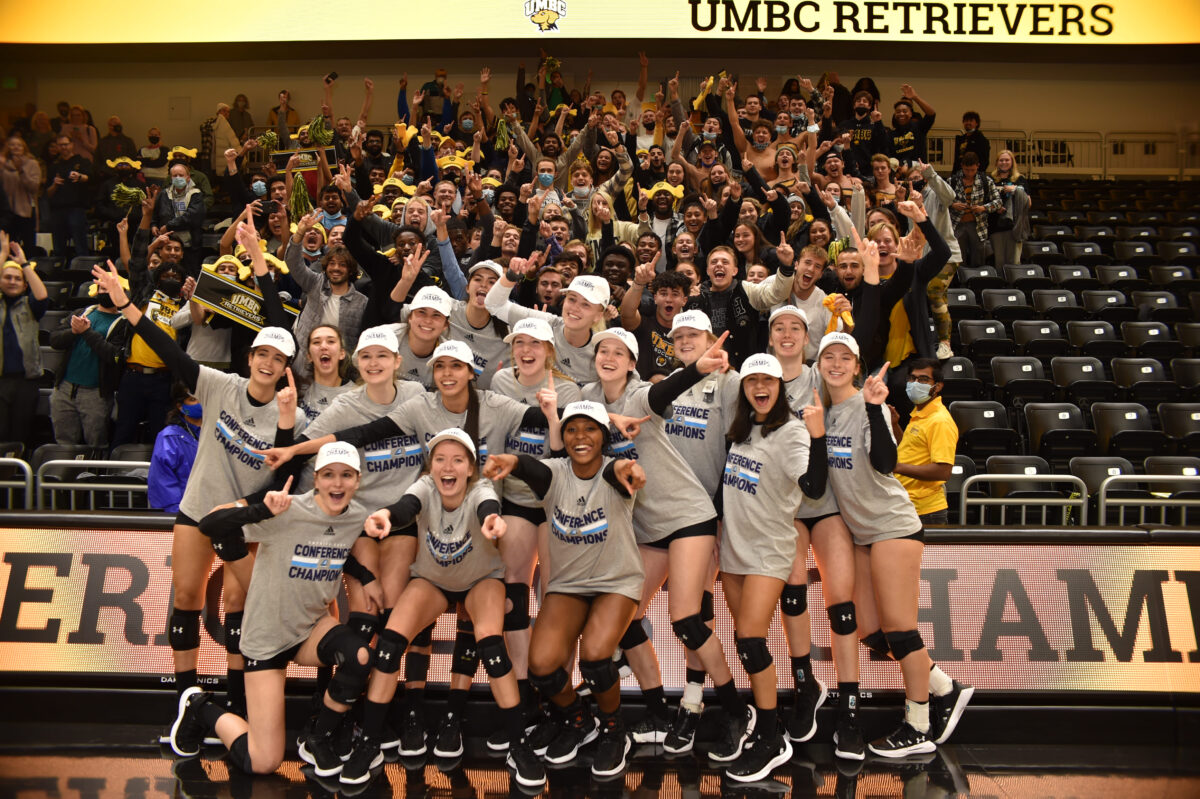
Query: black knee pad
230, 548
842, 620
635, 635
708, 609
233, 632
692, 631
494, 655
239, 753
416, 666
551, 684
465, 659
754, 654
364, 625
877, 643
340, 647
794, 599
184, 632
518, 617
425, 637
388, 651
904, 643
600, 675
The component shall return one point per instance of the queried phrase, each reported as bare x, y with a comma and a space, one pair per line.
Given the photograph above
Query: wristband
126, 305
813, 128
512, 276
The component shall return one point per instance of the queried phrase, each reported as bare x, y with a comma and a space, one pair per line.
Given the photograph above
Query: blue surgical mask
760, 145
467, 124
545, 179
407, 180
781, 129
918, 392
179, 182
192, 411
489, 195
709, 135
259, 187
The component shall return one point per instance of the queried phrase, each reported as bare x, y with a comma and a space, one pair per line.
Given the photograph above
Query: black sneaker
736, 730
801, 724
317, 751
344, 737
761, 754
545, 729
449, 737
579, 729
498, 740
905, 741
366, 757
187, 732
609, 758
945, 711
681, 735
848, 739
526, 768
651, 729
389, 739
412, 737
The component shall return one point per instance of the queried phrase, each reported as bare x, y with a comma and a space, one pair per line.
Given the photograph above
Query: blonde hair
1014, 173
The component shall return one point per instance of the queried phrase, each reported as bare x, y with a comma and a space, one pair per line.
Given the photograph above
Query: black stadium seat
1144, 380
1042, 252
1097, 339
1181, 423
984, 339
1186, 372
1108, 305
1121, 277
1038, 338
1160, 306
1179, 253
978, 278
1026, 277
1058, 432
1058, 305
1081, 379
1150, 340
962, 304
1087, 253
1124, 429
1021, 379
1006, 304
959, 381
984, 430
1093, 471
1073, 277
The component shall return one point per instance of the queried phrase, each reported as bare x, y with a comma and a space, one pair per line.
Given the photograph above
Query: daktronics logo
1005, 618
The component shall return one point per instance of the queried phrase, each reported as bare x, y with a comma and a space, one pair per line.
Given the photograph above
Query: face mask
192, 411
124, 174
545, 179
760, 145
861, 112
781, 129
918, 392
104, 300
709, 135
407, 180
118, 128
179, 182
796, 117
170, 287
154, 140
259, 187
467, 124
649, 126
581, 191
489, 195
312, 253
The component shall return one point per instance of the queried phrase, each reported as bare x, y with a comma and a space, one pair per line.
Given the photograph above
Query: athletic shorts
274, 663
534, 516
184, 519
410, 531
703, 528
813, 521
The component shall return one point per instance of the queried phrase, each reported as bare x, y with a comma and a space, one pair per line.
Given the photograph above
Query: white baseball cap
620, 334
761, 364
453, 434
592, 410
278, 338
338, 452
457, 350
492, 265
695, 320
534, 328
593, 289
433, 298
839, 338
381, 336
786, 310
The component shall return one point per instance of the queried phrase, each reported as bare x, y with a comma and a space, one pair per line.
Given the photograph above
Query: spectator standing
68, 195
926, 446
82, 134
153, 157
239, 117
115, 144
283, 117
975, 197
224, 137
971, 140
909, 132
24, 303
19, 179
1013, 228
82, 402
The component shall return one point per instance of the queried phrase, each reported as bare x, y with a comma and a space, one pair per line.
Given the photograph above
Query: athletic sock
416, 701
917, 715
801, 669
693, 690
374, 716
457, 702
327, 720
514, 723
237, 687
185, 680
848, 698
730, 699
940, 683
766, 721
656, 701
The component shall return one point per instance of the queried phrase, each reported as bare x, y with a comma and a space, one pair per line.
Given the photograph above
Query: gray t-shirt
673, 497
297, 573
818, 319
874, 506
486, 344
317, 398
426, 416
412, 366
592, 549
390, 465
698, 422
452, 551
226, 468
575, 362
799, 393
532, 441
761, 492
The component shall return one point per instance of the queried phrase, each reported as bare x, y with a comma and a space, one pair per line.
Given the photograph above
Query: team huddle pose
568, 470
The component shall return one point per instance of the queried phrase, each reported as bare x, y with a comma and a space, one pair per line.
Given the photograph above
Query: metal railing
11, 487
1171, 509
1076, 502
91, 485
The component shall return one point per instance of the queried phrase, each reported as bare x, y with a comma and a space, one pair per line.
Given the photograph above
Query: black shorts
184, 519
275, 663
813, 521
708, 527
411, 530
534, 516
919, 535
453, 597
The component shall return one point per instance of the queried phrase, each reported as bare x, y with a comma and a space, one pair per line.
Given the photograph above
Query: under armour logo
846, 617
791, 601
233, 633
251, 663
494, 661
384, 655
177, 630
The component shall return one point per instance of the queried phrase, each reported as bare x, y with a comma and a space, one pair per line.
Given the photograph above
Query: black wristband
123, 307
512, 276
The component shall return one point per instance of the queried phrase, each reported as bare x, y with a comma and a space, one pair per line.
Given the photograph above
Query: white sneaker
944, 351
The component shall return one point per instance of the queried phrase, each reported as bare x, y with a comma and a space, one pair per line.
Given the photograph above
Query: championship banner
917, 22
308, 159
232, 300
82, 604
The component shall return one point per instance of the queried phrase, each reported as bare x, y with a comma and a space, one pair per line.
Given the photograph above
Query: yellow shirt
931, 437
159, 310
899, 344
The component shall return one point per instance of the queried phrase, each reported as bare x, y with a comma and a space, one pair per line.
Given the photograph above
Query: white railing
104, 488
1075, 506
11, 486
1148, 498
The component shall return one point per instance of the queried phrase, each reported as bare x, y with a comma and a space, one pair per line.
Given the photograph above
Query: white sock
917, 715
939, 683
693, 697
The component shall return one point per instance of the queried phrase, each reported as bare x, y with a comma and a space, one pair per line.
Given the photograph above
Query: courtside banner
232, 300
83, 603
917, 21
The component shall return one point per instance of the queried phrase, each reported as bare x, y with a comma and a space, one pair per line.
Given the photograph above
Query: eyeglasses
922, 379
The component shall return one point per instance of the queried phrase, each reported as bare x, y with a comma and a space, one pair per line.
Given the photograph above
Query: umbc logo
545, 13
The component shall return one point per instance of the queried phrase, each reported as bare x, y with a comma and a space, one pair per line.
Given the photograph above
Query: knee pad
708, 610
230, 548
877, 643
416, 666
184, 633
364, 625
425, 637
754, 654
600, 675
340, 647
239, 753
465, 659
794, 599
388, 651
842, 620
692, 631
635, 635
233, 632
551, 684
494, 655
518, 617
904, 643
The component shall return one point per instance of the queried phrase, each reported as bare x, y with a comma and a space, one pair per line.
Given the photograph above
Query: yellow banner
916, 21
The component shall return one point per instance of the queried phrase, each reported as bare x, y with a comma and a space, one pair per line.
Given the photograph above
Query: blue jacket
170, 467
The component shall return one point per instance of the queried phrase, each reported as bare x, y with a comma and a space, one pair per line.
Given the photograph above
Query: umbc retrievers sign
1008, 618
